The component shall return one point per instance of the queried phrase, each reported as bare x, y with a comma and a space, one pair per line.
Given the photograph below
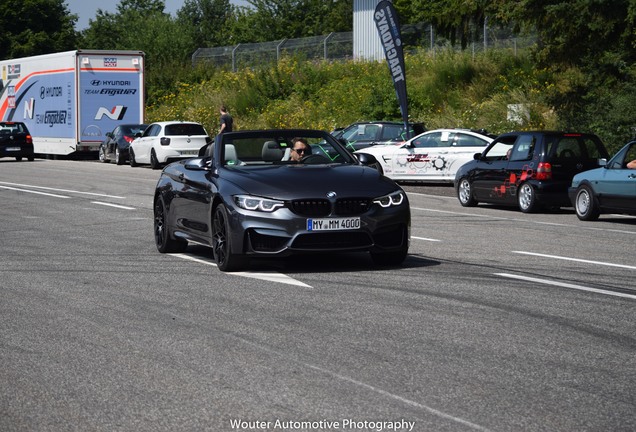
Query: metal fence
334, 46
339, 46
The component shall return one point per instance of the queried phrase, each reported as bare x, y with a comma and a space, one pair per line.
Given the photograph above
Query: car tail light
544, 171
164, 141
129, 139
29, 140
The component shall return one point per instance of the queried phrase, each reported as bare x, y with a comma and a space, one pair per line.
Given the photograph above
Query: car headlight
394, 199
248, 202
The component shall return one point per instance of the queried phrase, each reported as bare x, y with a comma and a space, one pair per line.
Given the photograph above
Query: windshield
282, 147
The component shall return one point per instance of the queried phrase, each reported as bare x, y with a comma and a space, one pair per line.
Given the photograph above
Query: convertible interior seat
272, 151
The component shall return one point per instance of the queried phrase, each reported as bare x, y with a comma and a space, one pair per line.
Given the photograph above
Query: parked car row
348, 203
531, 170
155, 144
536, 170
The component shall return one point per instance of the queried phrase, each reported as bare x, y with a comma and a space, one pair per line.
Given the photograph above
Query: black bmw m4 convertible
247, 196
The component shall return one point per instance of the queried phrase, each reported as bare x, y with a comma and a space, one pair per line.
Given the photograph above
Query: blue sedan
609, 189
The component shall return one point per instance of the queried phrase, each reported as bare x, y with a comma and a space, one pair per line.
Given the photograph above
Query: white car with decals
432, 156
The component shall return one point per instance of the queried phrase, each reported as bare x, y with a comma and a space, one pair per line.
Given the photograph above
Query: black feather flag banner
386, 20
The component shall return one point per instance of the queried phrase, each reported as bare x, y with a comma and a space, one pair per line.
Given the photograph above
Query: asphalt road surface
497, 321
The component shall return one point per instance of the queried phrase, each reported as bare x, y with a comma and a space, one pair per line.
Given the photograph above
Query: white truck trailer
70, 100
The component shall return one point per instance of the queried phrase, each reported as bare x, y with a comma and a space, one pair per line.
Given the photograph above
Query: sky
87, 9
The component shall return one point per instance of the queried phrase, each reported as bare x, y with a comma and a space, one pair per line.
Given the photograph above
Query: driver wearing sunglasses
300, 149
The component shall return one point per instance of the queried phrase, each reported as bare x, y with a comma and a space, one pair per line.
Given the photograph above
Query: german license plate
190, 152
13, 148
333, 224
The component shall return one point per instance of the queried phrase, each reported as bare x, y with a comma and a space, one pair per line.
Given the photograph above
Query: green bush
448, 89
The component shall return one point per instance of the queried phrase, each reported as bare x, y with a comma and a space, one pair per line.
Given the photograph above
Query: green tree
142, 25
458, 20
207, 20
592, 34
268, 20
32, 27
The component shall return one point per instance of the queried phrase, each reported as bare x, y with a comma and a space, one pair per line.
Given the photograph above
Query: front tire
131, 158
527, 198
102, 155
465, 193
163, 239
222, 242
585, 204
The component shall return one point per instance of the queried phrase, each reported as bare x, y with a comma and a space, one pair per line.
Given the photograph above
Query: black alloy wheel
222, 243
163, 240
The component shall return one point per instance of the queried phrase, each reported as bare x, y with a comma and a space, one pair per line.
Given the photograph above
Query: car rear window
185, 129
12, 128
575, 146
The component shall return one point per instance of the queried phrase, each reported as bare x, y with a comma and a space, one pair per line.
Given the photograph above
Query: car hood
309, 181
379, 150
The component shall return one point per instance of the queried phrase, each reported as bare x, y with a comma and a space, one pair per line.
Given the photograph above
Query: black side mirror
366, 159
199, 164
477, 156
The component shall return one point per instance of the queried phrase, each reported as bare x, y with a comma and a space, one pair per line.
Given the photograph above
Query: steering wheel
314, 159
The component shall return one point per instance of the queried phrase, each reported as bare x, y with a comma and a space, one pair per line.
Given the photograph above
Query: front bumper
283, 232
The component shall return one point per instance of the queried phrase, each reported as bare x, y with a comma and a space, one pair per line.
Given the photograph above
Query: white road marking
33, 192
425, 239
578, 227
567, 285
64, 190
366, 386
268, 276
577, 260
113, 205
